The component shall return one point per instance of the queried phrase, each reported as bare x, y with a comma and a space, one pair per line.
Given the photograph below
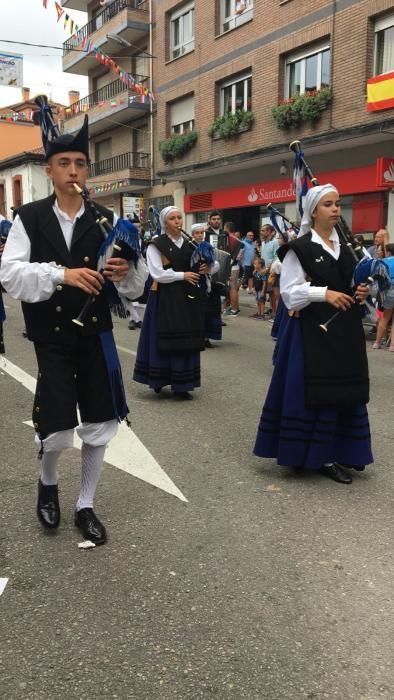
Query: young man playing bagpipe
50, 265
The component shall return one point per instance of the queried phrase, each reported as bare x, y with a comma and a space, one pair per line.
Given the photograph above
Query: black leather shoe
48, 509
183, 395
90, 526
208, 344
356, 467
336, 472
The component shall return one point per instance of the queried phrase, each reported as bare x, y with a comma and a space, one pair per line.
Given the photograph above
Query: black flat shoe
157, 391
132, 326
91, 527
208, 344
336, 472
48, 509
183, 395
356, 467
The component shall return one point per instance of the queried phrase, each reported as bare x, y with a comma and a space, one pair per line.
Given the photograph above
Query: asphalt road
263, 585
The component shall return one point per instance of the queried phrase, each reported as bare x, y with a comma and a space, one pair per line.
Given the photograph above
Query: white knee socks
49, 476
92, 461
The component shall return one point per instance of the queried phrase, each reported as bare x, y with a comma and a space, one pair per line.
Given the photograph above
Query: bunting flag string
111, 186
77, 107
81, 41
17, 116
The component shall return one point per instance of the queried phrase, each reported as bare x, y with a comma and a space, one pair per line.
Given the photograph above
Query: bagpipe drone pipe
5, 226
367, 271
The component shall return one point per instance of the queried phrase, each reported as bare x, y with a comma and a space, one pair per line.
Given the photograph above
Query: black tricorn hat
52, 140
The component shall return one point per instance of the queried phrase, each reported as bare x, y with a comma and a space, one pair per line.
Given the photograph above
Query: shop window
236, 95
307, 71
233, 13
182, 31
384, 45
17, 196
182, 115
2, 199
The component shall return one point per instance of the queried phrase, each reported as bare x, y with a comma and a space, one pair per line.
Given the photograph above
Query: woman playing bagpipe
172, 333
211, 302
314, 416
50, 264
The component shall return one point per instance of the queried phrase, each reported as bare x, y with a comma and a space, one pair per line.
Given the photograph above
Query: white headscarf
197, 227
310, 203
164, 214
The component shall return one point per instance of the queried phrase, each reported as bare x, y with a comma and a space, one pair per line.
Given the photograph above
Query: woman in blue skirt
315, 416
172, 334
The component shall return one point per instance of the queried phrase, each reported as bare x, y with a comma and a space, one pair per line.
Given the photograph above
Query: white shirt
34, 282
296, 292
155, 264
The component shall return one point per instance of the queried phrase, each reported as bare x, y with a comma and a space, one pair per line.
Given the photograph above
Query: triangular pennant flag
59, 10
44, 2
71, 25
66, 18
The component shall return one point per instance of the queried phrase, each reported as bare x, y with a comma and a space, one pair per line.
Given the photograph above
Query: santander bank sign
348, 181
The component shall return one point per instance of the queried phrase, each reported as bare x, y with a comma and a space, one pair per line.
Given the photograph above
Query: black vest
180, 320
51, 321
336, 366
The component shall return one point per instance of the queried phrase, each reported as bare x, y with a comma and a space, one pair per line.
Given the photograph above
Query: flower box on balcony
177, 145
230, 125
301, 108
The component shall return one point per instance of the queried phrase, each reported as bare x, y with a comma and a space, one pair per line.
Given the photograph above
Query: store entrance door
245, 219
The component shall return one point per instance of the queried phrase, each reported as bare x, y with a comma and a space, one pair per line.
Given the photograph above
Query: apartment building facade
210, 60
219, 57
120, 119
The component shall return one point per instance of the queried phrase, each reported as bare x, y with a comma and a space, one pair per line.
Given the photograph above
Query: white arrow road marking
129, 352
125, 451
3, 583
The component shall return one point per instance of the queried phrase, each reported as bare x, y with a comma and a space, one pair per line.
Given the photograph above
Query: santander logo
389, 173
253, 196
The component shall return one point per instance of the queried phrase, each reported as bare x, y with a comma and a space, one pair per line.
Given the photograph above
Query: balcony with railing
118, 25
120, 172
114, 103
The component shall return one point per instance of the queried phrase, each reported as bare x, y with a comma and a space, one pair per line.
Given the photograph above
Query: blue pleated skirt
180, 370
301, 437
213, 327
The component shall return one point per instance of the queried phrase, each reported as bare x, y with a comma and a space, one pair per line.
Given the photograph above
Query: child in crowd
260, 284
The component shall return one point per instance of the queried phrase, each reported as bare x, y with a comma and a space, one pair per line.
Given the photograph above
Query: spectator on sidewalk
388, 304
233, 295
248, 253
381, 239
269, 248
259, 284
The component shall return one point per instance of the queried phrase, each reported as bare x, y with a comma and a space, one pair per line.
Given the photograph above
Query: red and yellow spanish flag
380, 92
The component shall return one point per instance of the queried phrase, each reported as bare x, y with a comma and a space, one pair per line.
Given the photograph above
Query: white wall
35, 184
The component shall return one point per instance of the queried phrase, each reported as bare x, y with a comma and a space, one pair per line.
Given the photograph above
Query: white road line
125, 451
3, 583
129, 352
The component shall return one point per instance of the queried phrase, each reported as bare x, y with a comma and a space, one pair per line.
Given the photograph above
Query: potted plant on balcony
301, 108
177, 145
230, 125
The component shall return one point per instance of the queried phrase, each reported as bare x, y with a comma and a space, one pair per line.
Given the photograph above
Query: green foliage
177, 145
228, 126
302, 108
